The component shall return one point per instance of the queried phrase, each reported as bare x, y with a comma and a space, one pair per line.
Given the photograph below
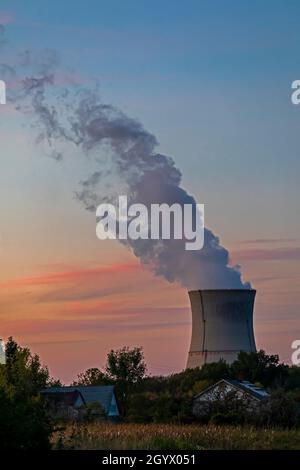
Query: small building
227, 392
65, 404
74, 402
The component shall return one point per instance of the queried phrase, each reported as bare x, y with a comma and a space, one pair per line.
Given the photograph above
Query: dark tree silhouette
125, 367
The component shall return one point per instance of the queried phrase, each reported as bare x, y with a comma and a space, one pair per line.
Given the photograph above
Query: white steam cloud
132, 166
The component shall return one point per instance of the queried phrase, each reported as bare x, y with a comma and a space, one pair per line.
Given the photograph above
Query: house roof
67, 398
254, 390
100, 394
257, 392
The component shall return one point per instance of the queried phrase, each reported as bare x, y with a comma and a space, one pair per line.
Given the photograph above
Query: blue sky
210, 79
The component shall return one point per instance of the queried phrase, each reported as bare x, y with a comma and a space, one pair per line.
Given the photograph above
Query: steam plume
131, 165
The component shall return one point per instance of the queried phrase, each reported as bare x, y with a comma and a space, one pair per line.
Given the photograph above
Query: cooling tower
222, 325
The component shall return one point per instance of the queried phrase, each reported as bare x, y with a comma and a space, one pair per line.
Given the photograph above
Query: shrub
280, 410
23, 423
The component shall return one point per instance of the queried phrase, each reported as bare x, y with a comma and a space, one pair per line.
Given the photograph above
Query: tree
23, 420
92, 376
215, 371
259, 367
293, 379
125, 367
23, 424
22, 373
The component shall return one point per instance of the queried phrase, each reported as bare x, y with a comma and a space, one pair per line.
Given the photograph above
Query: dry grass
171, 437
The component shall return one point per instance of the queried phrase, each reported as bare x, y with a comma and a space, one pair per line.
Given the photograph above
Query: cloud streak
276, 254
63, 326
72, 276
262, 241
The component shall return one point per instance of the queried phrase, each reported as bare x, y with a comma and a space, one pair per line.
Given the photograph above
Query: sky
212, 81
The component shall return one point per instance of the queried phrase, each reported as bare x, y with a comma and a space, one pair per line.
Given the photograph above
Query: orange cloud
67, 327
66, 277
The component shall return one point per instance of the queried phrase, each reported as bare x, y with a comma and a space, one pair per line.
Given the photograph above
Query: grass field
171, 437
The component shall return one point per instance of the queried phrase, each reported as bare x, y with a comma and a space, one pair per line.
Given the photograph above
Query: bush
280, 410
23, 424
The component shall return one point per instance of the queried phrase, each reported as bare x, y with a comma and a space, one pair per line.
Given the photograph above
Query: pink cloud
75, 275
118, 309
102, 325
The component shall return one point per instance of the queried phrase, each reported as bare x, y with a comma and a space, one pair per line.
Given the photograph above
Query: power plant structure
222, 325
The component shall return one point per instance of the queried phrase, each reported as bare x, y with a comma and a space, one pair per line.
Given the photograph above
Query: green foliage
91, 377
293, 379
125, 367
23, 422
143, 399
140, 409
200, 385
169, 399
280, 410
22, 374
260, 367
229, 409
216, 371
162, 399
94, 412
146, 399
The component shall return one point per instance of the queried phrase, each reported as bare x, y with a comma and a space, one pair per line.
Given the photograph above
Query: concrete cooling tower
222, 325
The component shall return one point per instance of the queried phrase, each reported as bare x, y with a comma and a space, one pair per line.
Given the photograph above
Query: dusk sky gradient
212, 81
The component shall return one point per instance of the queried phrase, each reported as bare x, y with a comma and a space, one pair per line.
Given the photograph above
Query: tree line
146, 398
25, 423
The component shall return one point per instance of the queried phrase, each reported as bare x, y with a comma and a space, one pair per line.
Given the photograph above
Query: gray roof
100, 394
257, 392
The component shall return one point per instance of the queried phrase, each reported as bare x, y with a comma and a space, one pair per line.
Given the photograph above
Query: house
64, 404
73, 402
228, 392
